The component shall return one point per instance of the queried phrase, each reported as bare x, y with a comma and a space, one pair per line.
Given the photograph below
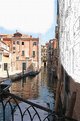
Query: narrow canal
41, 87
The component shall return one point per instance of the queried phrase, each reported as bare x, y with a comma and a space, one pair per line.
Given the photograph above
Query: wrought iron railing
14, 108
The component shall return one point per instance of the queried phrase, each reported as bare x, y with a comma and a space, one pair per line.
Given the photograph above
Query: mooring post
23, 71
7, 73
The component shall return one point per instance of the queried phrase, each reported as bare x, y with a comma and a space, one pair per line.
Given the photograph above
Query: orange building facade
24, 51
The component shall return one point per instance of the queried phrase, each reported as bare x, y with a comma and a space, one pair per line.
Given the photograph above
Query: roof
6, 35
17, 34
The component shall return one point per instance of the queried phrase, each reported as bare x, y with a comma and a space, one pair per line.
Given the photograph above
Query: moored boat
33, 73
5, 85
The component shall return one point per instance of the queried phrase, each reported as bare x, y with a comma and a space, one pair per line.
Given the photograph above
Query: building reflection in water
40, 87
26, 88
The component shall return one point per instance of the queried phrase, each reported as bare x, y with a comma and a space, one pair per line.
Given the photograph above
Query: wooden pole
7, 73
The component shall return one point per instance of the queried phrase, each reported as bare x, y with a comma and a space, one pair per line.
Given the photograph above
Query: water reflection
40, 87
26, 88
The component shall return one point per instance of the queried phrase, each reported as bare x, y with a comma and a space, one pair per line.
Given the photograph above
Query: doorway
23, 66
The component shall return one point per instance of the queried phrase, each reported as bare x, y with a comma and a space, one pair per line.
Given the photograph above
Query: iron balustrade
15, 108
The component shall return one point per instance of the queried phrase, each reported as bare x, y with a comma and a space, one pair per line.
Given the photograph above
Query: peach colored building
25, 51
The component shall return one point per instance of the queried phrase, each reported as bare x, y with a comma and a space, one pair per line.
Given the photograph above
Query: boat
5, 85
33, 73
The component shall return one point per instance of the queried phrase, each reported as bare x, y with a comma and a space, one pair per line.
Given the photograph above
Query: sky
29, 16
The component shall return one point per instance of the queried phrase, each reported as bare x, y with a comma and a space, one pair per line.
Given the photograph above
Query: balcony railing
14, 108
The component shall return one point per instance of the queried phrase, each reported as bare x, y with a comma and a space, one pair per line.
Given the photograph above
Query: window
17, 58
34, 43
23, 53
18, 42
33, 53
0, 57
22, 43
13, 48
13, 42
5, 66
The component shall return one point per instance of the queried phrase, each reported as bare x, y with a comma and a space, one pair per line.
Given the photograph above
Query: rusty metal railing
14, 108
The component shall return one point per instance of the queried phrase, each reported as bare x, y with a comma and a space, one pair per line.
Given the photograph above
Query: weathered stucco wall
69, 43
69, 13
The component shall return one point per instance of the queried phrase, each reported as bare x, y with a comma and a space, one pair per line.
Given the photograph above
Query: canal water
41, 87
